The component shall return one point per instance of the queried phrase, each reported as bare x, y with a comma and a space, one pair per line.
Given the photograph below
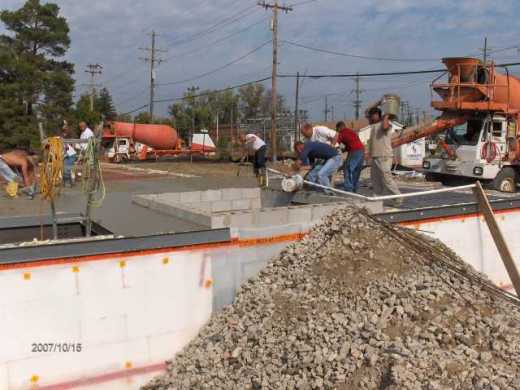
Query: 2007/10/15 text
56, 347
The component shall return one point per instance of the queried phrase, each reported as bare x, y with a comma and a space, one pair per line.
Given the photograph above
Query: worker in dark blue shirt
311, 151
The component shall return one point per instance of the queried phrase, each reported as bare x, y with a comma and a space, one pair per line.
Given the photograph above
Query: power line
211, 45
215, 91
352, 75
359, 56
224, 22
217, 69
302, 3
134, 110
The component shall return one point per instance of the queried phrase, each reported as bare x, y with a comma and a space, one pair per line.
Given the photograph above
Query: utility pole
153, 60
275, 7
326, 111
296, 112
356, 103
485, 50
332, 112
93, 70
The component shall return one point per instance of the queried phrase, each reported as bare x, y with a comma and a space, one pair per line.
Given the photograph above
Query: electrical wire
51, 172
353, 75
224, 22
217, 69
211, 45
92, 175
296, 44
213, 91
135, 110
302, 3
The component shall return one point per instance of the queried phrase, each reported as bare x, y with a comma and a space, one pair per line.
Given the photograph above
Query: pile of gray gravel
358, 304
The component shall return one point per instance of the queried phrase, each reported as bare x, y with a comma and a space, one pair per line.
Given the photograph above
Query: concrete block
220, 205
242, 204
300, 214
241, 219
231, 193
321, 211
169, 196
203, 206
190, 197
218, 222
211, 195
251, 193
271, 217
200, 219
141, 200
256, 203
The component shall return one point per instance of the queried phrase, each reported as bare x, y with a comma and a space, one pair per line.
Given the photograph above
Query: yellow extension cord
92, 176
51, 172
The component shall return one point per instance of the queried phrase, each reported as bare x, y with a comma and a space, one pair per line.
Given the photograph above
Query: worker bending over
310, 152
319, 134
257, 145
356, 155
18, 161
381, 153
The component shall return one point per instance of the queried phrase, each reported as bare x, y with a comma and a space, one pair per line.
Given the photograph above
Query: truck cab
120, 150
475, 149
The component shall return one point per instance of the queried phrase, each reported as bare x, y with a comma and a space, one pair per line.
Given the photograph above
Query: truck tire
506, 180
447, 180
431, 176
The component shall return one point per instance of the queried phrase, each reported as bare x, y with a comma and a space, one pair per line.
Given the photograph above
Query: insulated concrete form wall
469, 237
129, 312
132, 311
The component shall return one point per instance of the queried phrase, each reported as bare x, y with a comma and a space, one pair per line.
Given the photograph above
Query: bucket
391, 105
292, 184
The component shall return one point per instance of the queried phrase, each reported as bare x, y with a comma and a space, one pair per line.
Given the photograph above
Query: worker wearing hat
381, 153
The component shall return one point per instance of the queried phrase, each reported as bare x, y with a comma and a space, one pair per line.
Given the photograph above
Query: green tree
105, 105
200, 109
33, 80
83, 112
123, 118
251, 99
143, 117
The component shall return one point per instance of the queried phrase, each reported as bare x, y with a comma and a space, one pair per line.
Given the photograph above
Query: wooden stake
500, 242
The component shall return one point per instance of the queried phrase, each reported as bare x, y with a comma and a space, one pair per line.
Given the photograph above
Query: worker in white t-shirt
257, 145
86, 133
319, 134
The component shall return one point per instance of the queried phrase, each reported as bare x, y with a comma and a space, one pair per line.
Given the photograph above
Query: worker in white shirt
86, 133
69, 156
319, 134
257, 145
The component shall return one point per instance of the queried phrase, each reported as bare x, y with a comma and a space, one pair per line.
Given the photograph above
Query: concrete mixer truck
478, 130
135, 141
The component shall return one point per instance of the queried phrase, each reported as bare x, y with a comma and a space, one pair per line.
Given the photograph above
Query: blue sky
110, 32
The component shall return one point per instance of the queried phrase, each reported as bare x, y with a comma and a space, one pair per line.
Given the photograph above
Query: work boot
29, 191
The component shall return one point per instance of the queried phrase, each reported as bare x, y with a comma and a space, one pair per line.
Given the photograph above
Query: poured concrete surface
117, 213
